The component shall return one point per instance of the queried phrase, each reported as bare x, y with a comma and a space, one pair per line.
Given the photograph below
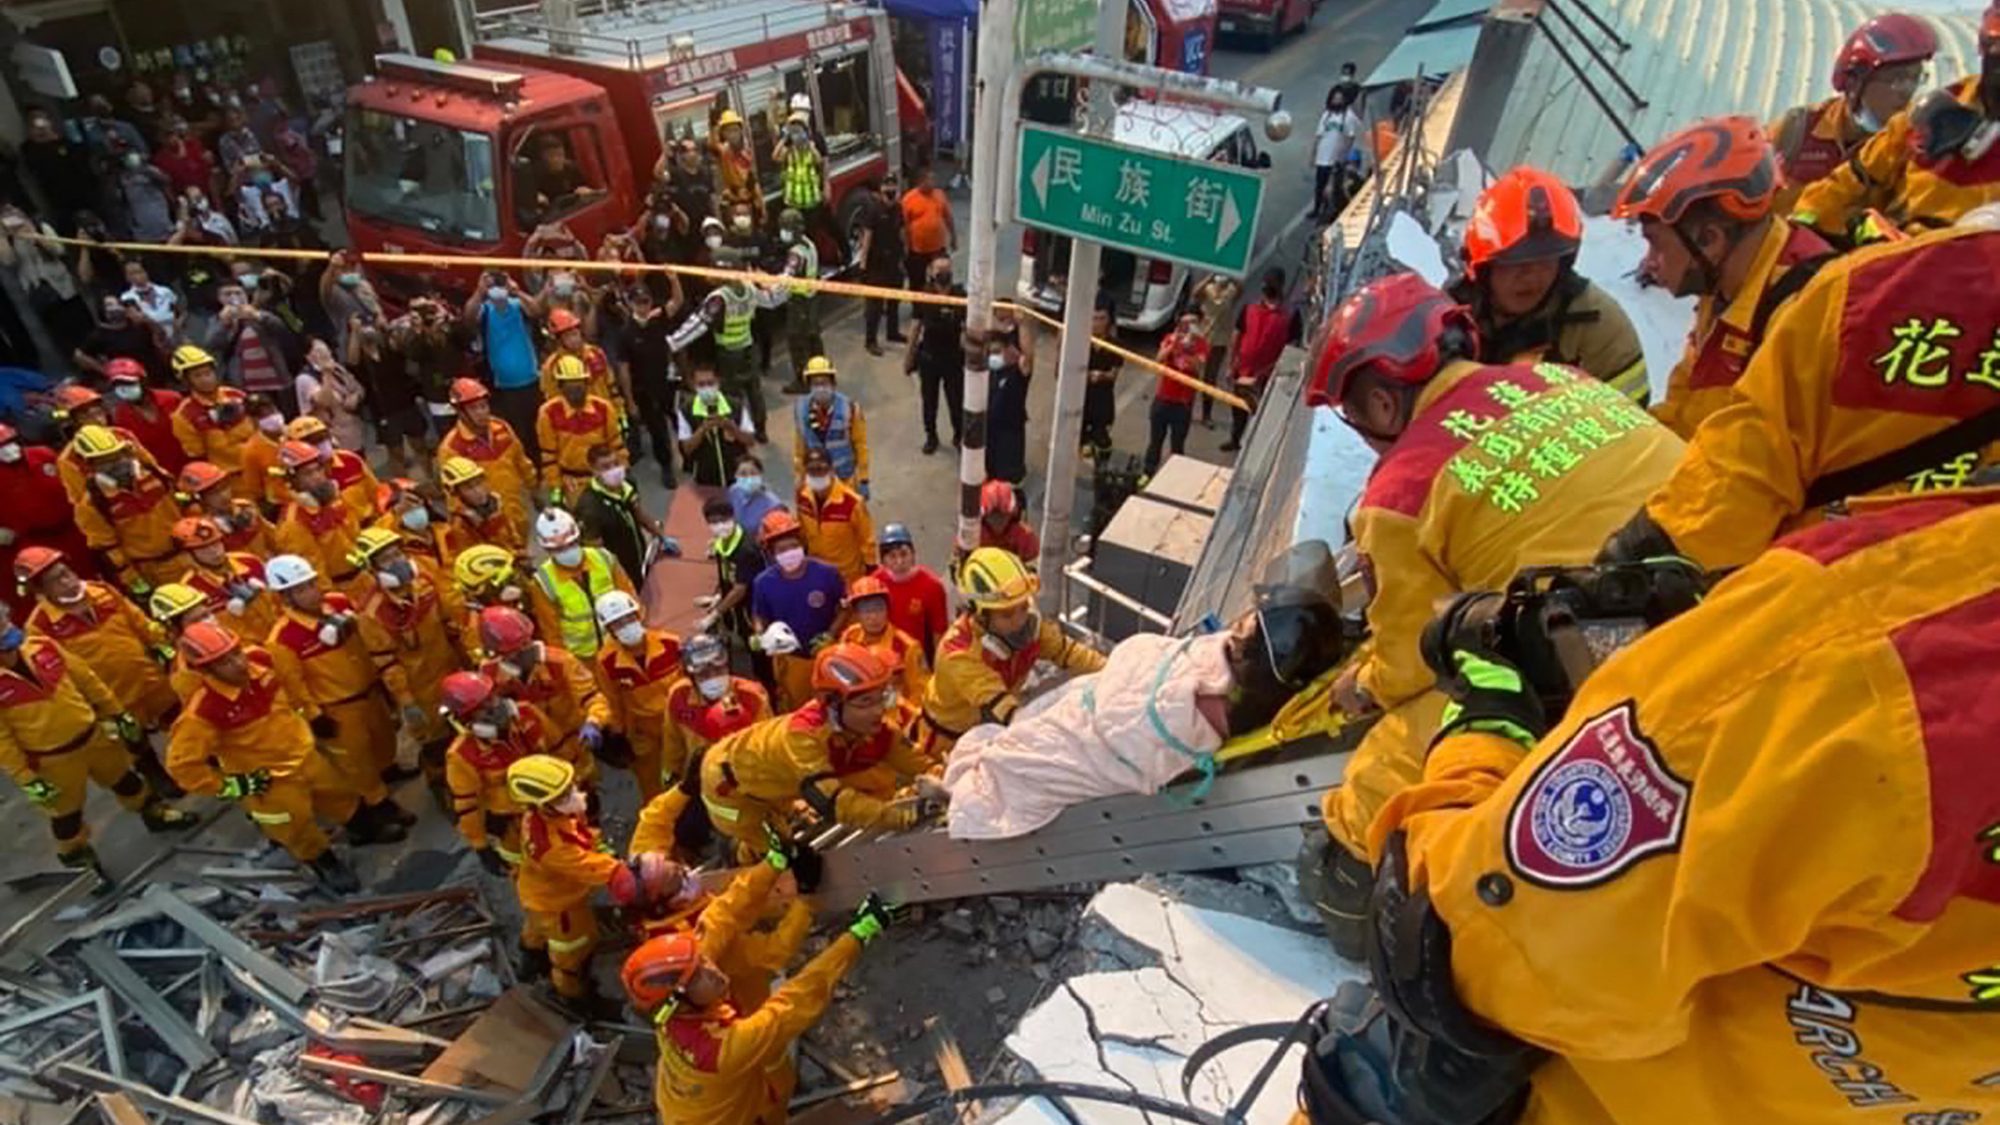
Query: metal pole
995, 66
1079, 298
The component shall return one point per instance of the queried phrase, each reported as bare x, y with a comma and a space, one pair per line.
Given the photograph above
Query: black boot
368, 825
395, 813
82, 859
593, 1006
534, 964
1338, 884
334, 873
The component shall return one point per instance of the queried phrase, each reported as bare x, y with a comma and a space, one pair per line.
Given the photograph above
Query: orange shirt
926, 221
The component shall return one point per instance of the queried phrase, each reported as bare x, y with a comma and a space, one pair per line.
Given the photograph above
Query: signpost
1193, 211
1055, 25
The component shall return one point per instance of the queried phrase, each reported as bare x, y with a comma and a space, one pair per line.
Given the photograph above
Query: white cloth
1337, 130
1093, 737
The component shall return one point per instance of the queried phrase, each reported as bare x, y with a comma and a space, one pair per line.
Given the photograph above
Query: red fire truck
447, 157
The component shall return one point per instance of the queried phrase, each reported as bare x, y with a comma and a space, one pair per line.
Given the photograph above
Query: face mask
714, 241
417, 519
743, 223
324, 492
564, 287
822, 393
10, 453
708, 394
130, 392
786, 237
272, 424
496, 293
1867, 121
396, 575
750, 484
818, 483
11, 639
791, 558
713, 688
613, 477
722, 530
495, 724
249, 280
995, 362
326, 448
131, 160
263, 179
570, 556
631, 634
350, 280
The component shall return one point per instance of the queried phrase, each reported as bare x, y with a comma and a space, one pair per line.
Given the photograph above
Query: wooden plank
408, 1082
503, 1047
951, 1065
118, 1109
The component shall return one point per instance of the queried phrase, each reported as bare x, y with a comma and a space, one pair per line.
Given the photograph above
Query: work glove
324, 727
623, 885
236, 786
42, 793
821, 641
137, 586
335, 628
591, 735
1489, 695
932, 798
163, 655
707, 601
124, 727
491, 859
776, 640
415, 717
794, 855
870, 918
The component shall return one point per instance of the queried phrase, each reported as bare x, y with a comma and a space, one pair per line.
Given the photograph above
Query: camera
1558, 623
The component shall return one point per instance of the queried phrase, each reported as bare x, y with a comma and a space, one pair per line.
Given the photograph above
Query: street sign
1054, 25
1154, 205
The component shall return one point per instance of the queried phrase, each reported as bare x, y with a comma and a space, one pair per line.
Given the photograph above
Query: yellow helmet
820, 365
729, 117
172, 599
459, 470
538, 779
187, 357
370, 543
570, 368
481, 566
97, 442
306, 428
993, 578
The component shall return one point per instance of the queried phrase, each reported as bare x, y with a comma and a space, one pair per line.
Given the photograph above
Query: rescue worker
144, 412
705, 704
989, 650
1928, 166
1527, 299
493, 732
719, 1065
568, 426
205, 490
828, 420
319, 655
1702, 199
213, 422
231, 583
1904, 403
637, 667
102, 628
347, 469
527, 670
834, 519
402, 509
605, 381
1484, 470
77, 408
673, 900
1875, 75
751, 779
318, 523
1594, 892
483, 576
568, 582
127, 513
735, 166
491, 444
561, 864
413, 641
38, 513
1001, 525
802, 336
730, 312
61, 728
800, 593
802, 180
244, 738
868, 603
477, 515
175, 606
263, 478
917, 602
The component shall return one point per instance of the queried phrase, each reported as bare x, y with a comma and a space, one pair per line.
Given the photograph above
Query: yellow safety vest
576, 602
801, 177
809, 258
737, 315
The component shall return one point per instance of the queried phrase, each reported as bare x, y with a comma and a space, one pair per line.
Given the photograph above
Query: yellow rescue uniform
339, 681
323, 535
753, 776
498, 528
567, 693
205, 436
1886, 347
262, 477
899, 651
120, 644
239, 584
973, 684
1750, 875
838, 530
729, 925
635, 688
498, 452
566, 435
133, 527
475, 771
414, 646
74, 472
600, 383
1888, 175
1500, 468
561, 865
52, 711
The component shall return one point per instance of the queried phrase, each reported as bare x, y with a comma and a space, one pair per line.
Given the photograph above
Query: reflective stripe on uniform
721, 811
271, 817
801, 174
510, 856
1632, 383
574, 600
738, 313
809, 255
568, 945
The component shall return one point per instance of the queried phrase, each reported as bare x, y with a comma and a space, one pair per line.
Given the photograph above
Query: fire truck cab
566, 124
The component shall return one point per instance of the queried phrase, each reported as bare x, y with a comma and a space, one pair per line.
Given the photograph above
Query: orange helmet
562, 320
196, 532
847, 670
660, 968
297, 454
1727, 160
464, 390
390, 493
198, 477
504, 630
1527, 215
205, 642
32, 561
866, 586
777, 524
74, 397
998, 496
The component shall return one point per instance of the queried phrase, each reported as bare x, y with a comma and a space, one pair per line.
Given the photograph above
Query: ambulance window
687, 119
558, 170
846, 87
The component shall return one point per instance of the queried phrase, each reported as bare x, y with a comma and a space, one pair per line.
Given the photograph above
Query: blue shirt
510, 350
808, 603
752, 507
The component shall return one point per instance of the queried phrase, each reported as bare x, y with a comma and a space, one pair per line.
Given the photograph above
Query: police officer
802, 337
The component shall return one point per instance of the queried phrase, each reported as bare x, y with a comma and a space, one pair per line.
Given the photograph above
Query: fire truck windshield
421, 174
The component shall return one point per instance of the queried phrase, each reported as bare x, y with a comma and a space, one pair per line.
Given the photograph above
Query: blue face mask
350, 280
417, 519
749, 484
11, 639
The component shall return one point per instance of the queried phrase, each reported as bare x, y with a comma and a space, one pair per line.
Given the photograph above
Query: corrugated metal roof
1691, 59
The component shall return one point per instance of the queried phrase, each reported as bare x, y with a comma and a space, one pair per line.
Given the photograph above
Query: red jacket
1261, 334
38, 513
917, 605
157, 435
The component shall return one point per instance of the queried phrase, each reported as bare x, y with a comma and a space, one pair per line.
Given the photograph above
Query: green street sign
1158, 206
1054, 25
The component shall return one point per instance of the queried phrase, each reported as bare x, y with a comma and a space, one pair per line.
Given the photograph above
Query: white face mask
714, 241
722, 530
995, 363
10, 453
272, 424
613, 477
708, 394
819, 484
786, 237
130, 392
570, 556
791, 558
713, 688
631, 633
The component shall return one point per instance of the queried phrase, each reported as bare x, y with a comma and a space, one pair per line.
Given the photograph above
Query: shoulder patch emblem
1599, 805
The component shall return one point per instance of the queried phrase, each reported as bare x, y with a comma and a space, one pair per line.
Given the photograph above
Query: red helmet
124, 369
848, 669
504, 630
998, 496
32, 561
1989, 28
1725, 159
562, 320
1886, 40
464, 390
1527, 215
777, 524
659, 968
1391, 327
198, 477
464, 693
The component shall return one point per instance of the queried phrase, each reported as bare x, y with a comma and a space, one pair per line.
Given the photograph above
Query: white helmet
283, 572
615, 605
556, 529
802, 102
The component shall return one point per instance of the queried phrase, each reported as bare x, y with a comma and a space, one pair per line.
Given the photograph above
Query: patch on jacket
1602, 803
